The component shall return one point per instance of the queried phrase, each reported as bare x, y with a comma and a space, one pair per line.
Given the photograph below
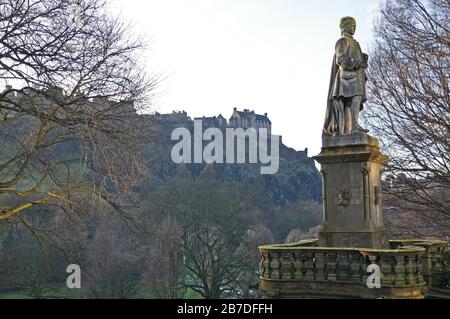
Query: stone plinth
351, 181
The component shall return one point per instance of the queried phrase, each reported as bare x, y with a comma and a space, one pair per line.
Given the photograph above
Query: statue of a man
347, 92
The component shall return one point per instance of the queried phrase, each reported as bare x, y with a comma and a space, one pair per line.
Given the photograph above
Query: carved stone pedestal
350, 167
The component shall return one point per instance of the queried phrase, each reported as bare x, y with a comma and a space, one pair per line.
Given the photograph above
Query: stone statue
347, 91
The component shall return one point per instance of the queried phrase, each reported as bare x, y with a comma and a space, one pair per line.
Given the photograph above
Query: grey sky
272, 56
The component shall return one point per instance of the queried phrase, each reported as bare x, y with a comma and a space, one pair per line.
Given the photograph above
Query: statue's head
348, 25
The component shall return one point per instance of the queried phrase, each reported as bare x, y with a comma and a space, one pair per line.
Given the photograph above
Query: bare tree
114, 263
164, 260
69, 131
36, 276
409, 109
213, 219
248, 252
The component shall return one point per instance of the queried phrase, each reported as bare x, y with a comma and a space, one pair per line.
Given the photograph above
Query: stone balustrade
433, 261
305, 270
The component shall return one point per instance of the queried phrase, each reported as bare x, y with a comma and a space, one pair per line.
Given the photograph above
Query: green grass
60, 291
145, 292
20, 294
191, 294
54, 291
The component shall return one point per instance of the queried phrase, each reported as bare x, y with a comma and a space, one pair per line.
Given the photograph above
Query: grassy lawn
144, 292
60, 291
55, 291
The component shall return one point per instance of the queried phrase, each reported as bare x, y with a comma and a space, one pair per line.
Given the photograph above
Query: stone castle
247, 119
239, 119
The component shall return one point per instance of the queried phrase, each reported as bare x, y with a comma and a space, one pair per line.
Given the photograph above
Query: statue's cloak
330, 125
346, 81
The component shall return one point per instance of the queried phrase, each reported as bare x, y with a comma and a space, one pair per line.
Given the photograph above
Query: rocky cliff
297, 177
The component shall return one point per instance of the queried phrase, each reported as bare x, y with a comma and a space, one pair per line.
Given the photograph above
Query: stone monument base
351, 190
353, 238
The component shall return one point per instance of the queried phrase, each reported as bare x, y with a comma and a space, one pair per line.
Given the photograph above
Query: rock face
297, 177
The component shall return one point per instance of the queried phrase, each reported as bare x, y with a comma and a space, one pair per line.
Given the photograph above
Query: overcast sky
270, 56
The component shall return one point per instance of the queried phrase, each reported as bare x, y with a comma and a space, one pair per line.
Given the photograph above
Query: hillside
297, 177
